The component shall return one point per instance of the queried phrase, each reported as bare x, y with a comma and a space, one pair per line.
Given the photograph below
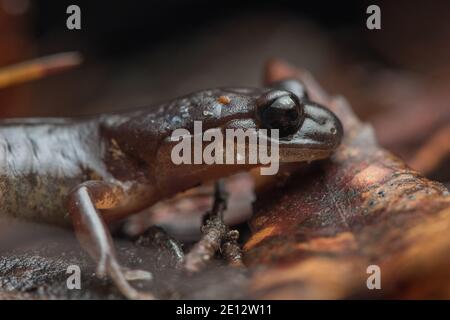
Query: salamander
91, 171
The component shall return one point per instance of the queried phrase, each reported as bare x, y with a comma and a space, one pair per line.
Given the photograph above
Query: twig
431, 156
231, 250
38, 68
214, 231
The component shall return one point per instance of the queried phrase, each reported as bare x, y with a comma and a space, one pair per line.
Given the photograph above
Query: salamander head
307, 131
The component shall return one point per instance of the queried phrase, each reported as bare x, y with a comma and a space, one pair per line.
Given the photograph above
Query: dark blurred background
141, 52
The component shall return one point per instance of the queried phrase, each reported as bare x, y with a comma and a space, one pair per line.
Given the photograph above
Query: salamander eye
280, 110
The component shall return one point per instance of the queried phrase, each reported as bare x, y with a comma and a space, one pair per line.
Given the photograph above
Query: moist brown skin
96, 170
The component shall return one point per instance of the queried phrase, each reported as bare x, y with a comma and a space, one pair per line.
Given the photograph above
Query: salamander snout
321, 128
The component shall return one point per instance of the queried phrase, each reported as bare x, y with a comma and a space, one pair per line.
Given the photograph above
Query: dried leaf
317, 234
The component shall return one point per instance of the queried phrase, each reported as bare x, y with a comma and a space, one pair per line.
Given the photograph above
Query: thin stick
214, 231
38, 68
231, 250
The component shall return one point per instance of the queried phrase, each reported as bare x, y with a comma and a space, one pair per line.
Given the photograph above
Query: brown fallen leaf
315, 236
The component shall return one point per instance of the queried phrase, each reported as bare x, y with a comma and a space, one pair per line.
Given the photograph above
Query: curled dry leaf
318, 233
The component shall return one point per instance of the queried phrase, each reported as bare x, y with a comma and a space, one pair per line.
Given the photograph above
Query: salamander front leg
84, 203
